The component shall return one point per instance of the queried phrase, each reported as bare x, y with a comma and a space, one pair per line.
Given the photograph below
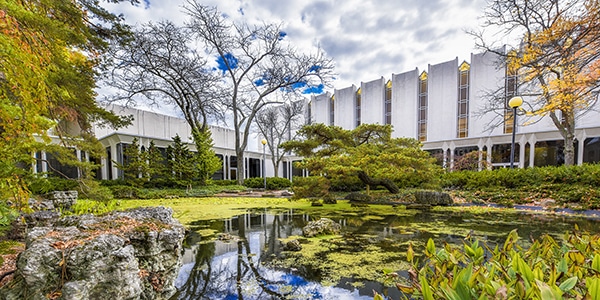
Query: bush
273, 183
360, 197
278, 183
94, 191
310, 187
346, 184
125, 192
587, 174
254, 183
39, 185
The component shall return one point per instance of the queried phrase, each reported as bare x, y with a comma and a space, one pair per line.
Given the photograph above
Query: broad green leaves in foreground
546, 270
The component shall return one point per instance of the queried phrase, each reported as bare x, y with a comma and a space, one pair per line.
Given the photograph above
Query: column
531, 154
580, 145
521, 154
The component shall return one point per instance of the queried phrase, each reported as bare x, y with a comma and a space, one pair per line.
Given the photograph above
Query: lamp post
514, 103
264, 142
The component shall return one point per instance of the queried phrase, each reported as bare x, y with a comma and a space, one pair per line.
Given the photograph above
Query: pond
252, 264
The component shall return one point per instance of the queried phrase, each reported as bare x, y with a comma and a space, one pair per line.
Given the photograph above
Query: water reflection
235, 269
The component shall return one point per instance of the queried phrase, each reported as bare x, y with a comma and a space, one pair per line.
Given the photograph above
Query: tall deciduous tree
47, 78
158, 64
557, 62
279, 124
367, 152
253, 62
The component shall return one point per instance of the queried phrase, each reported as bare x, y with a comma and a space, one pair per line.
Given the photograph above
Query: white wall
442, 101
373, 101
404, 103
345, 113
320, 108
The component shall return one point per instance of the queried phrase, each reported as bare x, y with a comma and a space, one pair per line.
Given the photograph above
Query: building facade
159, 128
444, 107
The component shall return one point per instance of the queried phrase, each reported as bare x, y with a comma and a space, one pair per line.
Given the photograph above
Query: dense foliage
181, 167
556, 59
273, 183
547, 269
49, 54
367, 152
574, 186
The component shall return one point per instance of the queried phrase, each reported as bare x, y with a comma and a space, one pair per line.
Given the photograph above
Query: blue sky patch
314, 89
146, 4
314, 69
298, 85
227, 60
282, 35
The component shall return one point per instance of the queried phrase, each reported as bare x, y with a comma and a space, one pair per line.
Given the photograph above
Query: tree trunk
569, 150
275, 168
369, 181
241, 170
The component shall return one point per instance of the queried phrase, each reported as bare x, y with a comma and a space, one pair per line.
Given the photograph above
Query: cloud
366, 39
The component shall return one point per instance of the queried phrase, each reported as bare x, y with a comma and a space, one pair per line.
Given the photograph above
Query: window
331, 110
510, 90
388, 103
422, 117
463, 101
309, 114
233, 167
357, 106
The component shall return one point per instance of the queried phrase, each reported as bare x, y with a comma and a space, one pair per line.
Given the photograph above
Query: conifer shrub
310, 187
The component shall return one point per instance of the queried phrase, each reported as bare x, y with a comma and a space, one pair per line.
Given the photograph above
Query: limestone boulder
321, 227
125, 255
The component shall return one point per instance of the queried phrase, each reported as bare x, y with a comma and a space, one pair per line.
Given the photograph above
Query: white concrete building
443, 108
149, 126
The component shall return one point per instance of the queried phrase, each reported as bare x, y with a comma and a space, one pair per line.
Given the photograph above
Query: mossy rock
329, 199
433, 198
358, 197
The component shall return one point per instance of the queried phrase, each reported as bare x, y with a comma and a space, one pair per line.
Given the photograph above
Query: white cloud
366, 39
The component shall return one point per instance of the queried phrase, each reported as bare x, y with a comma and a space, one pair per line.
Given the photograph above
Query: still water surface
239, 268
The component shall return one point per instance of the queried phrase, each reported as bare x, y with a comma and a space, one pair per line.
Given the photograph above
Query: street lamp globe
263, 141
514, 103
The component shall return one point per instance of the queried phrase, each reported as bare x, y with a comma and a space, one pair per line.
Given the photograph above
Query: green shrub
254, 182
587, 174
273, 183
310, 187
548, 269
346, 184
94, 191
39, 185
125, 192
278, 183
7, 214
92, 207
356, 196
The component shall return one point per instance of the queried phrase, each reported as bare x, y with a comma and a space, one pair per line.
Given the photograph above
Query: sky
365, 39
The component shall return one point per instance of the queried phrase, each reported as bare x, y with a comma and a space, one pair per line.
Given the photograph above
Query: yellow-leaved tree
48, 58
557, 61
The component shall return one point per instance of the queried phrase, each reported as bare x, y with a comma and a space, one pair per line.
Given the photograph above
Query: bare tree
556, 64
254, 62
279, 124
159, 65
